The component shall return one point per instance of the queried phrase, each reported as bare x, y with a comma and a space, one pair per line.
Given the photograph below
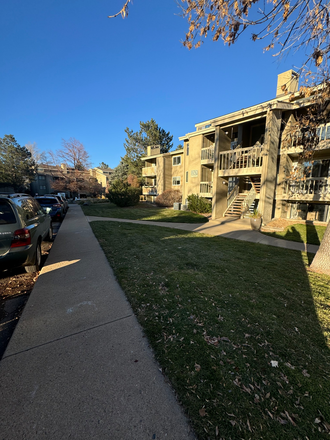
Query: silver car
23, 226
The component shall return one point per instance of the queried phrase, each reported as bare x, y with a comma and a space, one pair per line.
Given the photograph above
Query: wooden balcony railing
319, 186
206, 189
149, 190
149, 171
231, 196
207, 155
241, 158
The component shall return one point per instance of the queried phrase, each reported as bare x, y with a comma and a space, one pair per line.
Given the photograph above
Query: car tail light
57, 205
22, 237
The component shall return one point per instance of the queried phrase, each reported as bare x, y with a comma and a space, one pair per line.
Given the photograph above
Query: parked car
61, 199
52, 206
64, 201
23, 226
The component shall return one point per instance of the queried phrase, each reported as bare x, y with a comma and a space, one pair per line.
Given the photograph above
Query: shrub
168, 197
121, 194
199, 204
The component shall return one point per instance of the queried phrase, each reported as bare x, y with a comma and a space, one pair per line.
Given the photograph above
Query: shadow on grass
311, 237
239, 328
303, 233
141, 213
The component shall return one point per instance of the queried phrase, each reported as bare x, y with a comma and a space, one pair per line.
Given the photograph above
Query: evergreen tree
136, 144
103, 166
17, 168
120, 172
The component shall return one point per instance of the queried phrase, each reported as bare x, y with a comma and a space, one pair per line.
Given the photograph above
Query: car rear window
47, 200
7, 215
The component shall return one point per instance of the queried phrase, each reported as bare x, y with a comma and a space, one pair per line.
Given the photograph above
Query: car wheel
37, 260
50, 235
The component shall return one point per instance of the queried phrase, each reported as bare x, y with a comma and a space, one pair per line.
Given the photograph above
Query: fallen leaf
274, 363
202, 412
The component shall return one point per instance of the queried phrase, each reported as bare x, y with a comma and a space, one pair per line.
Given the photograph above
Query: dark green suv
23, 226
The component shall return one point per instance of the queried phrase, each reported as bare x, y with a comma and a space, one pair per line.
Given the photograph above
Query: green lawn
218, 313
143, 212
311, 234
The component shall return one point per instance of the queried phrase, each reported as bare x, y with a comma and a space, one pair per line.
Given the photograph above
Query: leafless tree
284, 24
73, 154
38, 156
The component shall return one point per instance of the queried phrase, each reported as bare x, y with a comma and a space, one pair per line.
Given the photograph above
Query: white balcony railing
319, 186
206, 189
149, 171
207, 155
241, 158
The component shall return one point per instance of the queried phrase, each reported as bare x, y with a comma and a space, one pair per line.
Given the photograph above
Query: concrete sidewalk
77, 365
225, 227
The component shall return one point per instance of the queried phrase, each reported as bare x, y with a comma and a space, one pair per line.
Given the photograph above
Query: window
30, 209
187, 174
7, 215
42, 177
188, 149
176, 180
323, 132
177, 160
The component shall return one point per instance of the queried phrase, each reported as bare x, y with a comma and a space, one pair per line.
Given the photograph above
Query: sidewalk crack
66, 337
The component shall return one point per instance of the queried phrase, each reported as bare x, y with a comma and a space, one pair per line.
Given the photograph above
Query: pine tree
17, 168
136, 144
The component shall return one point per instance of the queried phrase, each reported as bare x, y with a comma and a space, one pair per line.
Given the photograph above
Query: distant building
47, 175
162, 171
103, 176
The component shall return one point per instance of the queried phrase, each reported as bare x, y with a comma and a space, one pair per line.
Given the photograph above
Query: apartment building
161, 171
245, 160
102, 175
48, 174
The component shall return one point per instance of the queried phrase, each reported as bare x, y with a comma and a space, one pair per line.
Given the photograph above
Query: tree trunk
321, 261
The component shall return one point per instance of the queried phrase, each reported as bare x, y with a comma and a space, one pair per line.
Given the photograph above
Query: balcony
149, 191
149, 171
313, 188
207, 155
241, 162
206, 189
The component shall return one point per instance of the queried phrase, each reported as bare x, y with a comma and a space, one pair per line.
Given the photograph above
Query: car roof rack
14, 195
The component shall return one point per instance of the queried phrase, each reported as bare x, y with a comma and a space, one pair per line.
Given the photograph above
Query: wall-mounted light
224, 182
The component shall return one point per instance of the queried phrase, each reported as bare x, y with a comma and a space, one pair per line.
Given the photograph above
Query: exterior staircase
256, 183
235, 209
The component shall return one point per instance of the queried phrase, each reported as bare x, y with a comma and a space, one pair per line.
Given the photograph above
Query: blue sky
68, 71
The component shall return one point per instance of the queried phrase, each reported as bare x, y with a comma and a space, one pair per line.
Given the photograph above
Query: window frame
178, 179
173, 160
